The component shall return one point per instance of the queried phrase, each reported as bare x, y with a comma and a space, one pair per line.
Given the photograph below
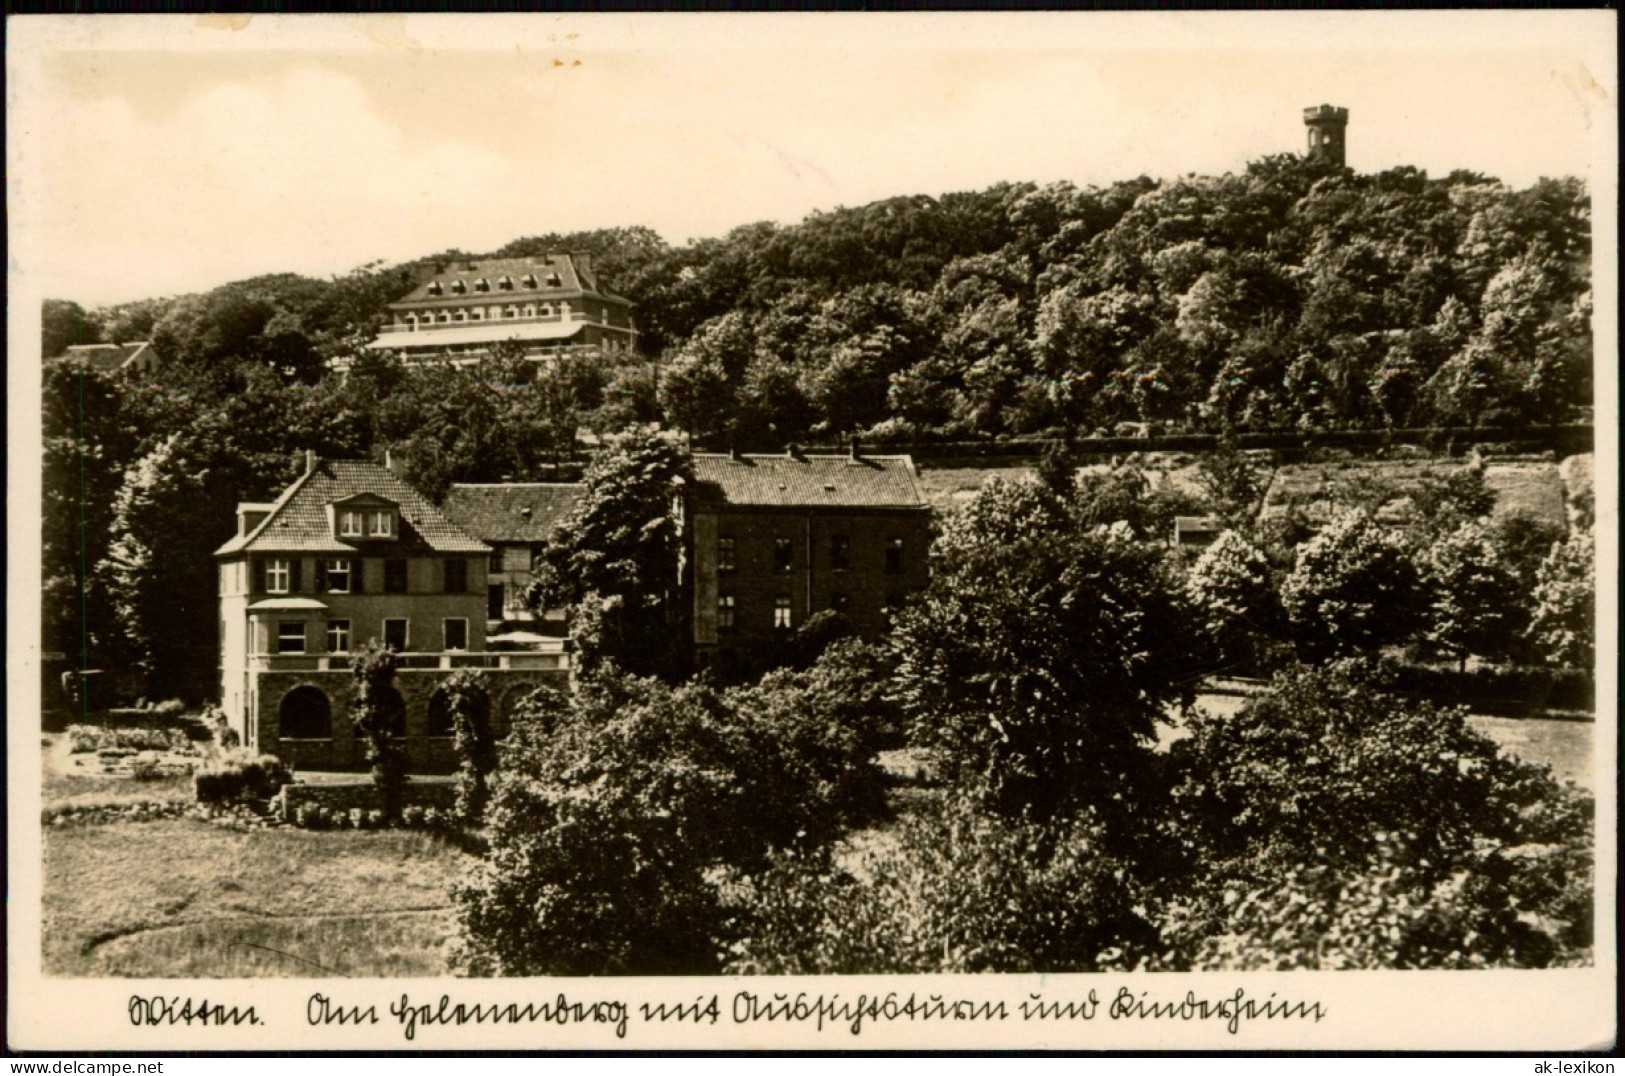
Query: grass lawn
184, 898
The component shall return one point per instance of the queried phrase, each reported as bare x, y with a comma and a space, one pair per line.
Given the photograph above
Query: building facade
547, 306
515, 519
773, 540
351, 553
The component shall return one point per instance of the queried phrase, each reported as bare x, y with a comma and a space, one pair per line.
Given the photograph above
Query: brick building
348, 553
515, 519
549, 305
774, 539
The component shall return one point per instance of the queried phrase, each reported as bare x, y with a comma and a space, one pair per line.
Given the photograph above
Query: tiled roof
808, 481
512, 512
575, 278
298, 521
104, 357
479, 332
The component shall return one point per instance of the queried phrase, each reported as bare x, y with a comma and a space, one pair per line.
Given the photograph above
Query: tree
468, 699
1563, 624
1331, 824
1475, 598
1230, 589
616, 565
376, 718
65, 323
1355, 587
614, 812
1043, 654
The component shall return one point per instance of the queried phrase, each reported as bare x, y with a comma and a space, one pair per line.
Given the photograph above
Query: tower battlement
1327, 125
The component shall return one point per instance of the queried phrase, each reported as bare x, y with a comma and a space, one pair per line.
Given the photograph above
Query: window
435, 288
456, 576
290, 637
482, 285
781, 613
350, 524
383, 524
337, 576
456, 633
305, 714
783, 554
493, 601
506, 284
725, 611
459, 287
278, 576
725, 554
395, 576
338, 636
840, 552
894, 555
395, 633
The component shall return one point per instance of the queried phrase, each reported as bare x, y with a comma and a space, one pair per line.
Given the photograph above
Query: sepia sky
162, 155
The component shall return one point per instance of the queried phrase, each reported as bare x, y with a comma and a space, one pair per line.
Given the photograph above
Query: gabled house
133, 358
348, 553
774, 539
516, 519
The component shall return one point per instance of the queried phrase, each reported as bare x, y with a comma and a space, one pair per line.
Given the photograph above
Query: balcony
553, 658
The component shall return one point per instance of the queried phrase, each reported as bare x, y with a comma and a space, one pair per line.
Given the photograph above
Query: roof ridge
514, 485
282, 502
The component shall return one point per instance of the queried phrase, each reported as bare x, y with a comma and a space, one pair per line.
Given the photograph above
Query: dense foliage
618, 810
615, 567
1044, 651
377, 718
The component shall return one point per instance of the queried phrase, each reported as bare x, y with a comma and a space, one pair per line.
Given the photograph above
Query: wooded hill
1288, 296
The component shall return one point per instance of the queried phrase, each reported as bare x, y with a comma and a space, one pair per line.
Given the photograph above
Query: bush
1331, 824
87, 738
146, 769
1531, 686
613, 817
169, 709
964, 891
240, 776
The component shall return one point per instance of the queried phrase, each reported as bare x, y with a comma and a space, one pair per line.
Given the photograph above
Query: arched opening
439, 713
306, 714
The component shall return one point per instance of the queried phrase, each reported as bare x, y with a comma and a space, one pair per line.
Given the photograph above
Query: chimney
583, 264
856, 449
793, 450
389, 462
310, 460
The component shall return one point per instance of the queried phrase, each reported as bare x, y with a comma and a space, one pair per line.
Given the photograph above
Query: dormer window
350, 524
553, 280
435, 288
459, 287
529, 280
482, 284
506, 284
382, 524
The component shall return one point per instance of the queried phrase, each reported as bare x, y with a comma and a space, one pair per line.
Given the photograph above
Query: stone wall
343, 750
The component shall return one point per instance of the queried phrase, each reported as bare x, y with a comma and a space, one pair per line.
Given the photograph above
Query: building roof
298, 521
532, 278
105, 358
479, 332
511, 512
807, 481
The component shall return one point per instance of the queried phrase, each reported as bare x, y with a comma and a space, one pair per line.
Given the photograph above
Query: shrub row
1531, 687
99, 814
316, 816
240, 776
86, 738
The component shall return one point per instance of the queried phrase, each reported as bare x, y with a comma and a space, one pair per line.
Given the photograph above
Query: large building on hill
349, 553
773, 540
516, 519
548, 305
